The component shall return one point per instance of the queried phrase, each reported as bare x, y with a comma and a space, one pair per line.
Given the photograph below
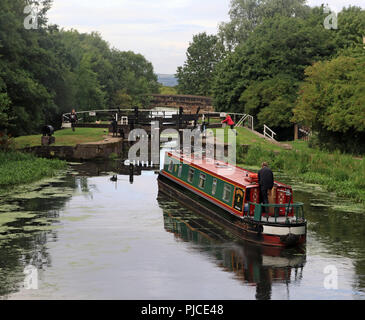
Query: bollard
47, 138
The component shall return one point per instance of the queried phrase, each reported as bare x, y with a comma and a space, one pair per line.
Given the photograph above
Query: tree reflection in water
23, 241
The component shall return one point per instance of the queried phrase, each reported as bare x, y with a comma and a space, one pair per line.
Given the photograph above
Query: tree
351, 27
271, 100
4, 117
332, 102
246, 15
228, 84
4, 105
46, 72
168, 90
90, 94
133, 74
203, 54
122, 99
26, 68
279, 46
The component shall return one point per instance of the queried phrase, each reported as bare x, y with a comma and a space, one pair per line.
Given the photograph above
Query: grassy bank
247, 137
18, 168
336, 172
339, 173
65, 137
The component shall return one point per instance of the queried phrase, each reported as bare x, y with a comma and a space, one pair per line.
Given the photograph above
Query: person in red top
229, 122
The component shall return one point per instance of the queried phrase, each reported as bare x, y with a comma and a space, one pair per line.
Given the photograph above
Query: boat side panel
171, 169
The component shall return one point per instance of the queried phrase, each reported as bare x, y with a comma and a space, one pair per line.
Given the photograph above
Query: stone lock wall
80, 152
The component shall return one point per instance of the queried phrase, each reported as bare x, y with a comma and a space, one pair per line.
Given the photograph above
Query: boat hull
270, 234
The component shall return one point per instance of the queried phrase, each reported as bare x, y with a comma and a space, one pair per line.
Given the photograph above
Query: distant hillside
167, 80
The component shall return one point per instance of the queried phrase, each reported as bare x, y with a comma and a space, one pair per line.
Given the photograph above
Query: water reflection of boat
231, 195
256, 265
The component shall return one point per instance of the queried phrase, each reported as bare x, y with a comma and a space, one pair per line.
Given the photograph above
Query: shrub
21, 168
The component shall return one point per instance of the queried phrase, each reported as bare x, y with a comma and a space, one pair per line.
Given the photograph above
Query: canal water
82, 236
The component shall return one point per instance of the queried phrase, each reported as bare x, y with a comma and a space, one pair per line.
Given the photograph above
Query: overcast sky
159, 29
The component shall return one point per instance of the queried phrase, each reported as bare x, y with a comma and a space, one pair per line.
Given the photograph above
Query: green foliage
89, 94
18, 168
246, 15
351, 27
280, 47
272, 43
337, 172
4, 105
202, 56
228, 84
332, 102
122, 99
134, 74
271, 100
168, 90
47, 71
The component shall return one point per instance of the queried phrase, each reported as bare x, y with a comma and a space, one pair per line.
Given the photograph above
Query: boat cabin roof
222, 170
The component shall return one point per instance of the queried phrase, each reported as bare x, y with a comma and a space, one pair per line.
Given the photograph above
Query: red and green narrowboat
230, 196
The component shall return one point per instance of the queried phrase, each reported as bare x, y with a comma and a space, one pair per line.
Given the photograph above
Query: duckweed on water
11, 209
46, 193
9, 217
76, 219
43, 188
40, 228
8, 207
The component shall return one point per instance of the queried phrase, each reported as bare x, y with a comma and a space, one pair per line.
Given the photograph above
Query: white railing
269, 133
242, 116
65, 116
243, 119
93, 113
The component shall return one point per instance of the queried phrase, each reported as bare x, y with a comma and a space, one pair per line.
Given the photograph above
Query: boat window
214, 187
202, 180
180, 170
171, 166
227, 193
191, 175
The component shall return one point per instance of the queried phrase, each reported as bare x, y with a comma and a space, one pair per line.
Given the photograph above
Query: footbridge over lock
189, 103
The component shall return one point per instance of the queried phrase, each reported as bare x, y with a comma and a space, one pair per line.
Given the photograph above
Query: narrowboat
230, 195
